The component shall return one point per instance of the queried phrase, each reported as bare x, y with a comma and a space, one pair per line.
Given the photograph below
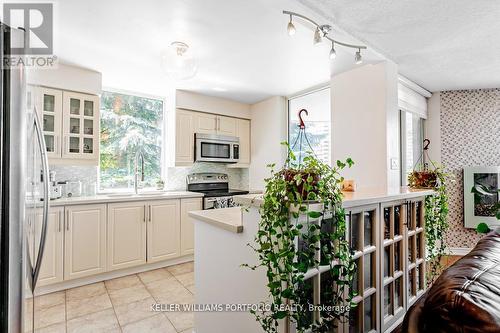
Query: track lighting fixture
357, 58
290, 27
323, 31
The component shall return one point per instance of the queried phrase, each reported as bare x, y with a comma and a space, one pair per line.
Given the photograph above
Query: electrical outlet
394, 164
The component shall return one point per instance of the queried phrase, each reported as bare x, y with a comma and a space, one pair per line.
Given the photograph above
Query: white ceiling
439, 44
243, 49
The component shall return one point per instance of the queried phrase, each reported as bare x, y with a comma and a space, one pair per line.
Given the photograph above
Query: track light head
333, 53
358, 58
317, 37
290, 28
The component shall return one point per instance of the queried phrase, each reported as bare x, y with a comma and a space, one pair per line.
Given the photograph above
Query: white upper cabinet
190, 122
48, 103
226, 126
70, 125
80, 126
184, 138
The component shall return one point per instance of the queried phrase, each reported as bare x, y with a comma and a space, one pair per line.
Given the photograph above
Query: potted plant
303, 226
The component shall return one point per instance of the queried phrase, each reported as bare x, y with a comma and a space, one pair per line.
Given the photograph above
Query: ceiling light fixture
178, 63
323, 31
290, 28
333, 53
358, 58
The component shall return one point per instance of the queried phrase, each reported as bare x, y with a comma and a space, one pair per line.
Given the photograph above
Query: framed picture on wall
481, 186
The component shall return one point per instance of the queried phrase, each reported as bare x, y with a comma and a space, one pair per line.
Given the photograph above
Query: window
129, 123
318, 122
412, 133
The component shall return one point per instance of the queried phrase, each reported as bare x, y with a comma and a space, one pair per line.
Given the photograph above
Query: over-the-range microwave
216, 148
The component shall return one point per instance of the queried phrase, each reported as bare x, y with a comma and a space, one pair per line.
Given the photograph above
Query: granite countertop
230, 219
109, 198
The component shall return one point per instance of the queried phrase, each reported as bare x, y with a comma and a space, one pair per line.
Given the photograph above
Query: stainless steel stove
215, 187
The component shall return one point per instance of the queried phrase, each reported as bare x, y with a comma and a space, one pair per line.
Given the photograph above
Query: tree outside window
129, 123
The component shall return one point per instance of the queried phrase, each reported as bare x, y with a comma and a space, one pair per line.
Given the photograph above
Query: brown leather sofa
465, 298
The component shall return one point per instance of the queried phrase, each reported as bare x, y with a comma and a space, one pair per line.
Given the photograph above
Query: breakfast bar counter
383, 226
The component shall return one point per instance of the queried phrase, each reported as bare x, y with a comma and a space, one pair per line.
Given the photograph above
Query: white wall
269, 128
433, 127
203, 103
365, 123
67, 77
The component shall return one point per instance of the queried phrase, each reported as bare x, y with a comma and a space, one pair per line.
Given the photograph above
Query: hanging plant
436, 211
303, 227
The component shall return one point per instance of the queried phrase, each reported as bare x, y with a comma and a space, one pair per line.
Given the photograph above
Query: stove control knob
225, 177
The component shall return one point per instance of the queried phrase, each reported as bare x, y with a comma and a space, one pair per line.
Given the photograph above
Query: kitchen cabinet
184, 138
70, 124
51, 270
80, 126
190, 122
84, 240
227, 126
187, 226
163, 230
243, 132
126, 234
48, 103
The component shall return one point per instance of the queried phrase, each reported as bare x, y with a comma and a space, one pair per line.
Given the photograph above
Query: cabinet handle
150, 212
144, 215
60, 218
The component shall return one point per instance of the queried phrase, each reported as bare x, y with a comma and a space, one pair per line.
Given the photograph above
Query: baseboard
459, 251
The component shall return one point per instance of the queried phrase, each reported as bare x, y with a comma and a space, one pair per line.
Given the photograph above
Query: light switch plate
394, 164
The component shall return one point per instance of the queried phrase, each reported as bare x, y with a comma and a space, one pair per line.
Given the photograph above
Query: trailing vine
301, 217
436, 212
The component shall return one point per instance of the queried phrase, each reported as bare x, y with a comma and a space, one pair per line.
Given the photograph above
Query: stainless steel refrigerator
23, 193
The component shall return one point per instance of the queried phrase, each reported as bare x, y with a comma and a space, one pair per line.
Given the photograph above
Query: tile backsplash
175, 179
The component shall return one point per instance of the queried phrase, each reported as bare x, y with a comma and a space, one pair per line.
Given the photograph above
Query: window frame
306, 92
163, 158
402, 142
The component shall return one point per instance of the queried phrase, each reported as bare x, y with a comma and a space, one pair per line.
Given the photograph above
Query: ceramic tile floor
120, 305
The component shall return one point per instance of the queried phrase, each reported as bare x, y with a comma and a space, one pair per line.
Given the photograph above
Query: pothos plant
303, 227
436, 212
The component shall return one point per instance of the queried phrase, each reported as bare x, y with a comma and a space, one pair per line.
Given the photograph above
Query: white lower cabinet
126, 234
187, 226
52, 263
163, 230
84, 240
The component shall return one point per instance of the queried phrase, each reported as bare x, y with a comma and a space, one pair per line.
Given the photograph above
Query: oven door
216, 149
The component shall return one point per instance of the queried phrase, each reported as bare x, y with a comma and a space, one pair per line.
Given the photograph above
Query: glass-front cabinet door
363, 238
49, 108
80, 126
392, 264
416, 283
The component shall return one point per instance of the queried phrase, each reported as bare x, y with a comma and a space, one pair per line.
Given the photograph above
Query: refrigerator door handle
45, 171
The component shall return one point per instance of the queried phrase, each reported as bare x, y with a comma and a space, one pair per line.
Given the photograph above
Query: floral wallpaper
470, 134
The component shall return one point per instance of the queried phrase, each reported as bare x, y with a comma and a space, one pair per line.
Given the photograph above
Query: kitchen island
384, 228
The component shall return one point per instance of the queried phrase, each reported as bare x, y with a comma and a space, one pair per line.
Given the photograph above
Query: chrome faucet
139, 155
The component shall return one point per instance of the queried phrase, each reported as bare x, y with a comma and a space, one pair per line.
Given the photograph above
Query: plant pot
290, 174
422, 179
